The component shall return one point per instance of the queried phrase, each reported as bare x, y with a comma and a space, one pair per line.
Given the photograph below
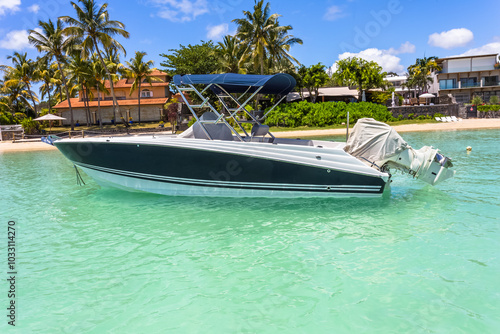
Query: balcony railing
470, 84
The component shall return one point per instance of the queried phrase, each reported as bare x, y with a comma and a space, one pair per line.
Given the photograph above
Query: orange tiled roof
122, 83
158, 72
76, 103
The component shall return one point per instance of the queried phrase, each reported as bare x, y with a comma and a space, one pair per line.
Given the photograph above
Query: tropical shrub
383, 97
29, 125
19, 116
477, 100
6, 118
327, 113
289, 115
494, 99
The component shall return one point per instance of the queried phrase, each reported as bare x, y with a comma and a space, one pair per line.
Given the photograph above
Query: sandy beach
467, 124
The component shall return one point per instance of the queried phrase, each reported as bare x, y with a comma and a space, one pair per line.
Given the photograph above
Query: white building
398, 81
464, 77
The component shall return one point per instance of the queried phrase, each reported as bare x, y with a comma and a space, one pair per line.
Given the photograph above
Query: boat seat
259, 130
219, 131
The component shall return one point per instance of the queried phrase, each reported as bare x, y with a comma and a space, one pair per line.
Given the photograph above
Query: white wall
483, 63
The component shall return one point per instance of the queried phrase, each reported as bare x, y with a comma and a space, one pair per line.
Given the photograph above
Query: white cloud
181, 10
34, 8
388, 61
482, 50
406, 47
385, 58
9, 6
451, 39
15, 40
217, 32
333, 13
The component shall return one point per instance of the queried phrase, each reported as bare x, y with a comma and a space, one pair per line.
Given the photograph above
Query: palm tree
46, 72
23, 72
13, 97
52, 42
256, 31
140, 71
93, 26
279, 46
232, 56
97, 80
115, 68
421, 71
80, 74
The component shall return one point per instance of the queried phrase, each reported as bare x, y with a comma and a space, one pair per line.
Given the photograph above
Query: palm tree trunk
49, 100
32, 99
99, 107
63, 78
86, 104
111, 85
139, 102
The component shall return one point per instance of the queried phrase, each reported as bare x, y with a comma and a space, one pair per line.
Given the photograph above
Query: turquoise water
420, 260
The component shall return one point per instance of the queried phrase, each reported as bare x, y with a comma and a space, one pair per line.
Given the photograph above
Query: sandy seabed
466, 124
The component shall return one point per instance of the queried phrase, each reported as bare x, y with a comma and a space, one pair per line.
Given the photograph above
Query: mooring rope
79, 179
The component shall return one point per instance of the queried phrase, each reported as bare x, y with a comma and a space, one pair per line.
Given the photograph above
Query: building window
490, 81
462, 98
447, 84
488, 95
146, 93
468, 82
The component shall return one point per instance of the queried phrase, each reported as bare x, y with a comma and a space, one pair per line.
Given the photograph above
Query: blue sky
394, 32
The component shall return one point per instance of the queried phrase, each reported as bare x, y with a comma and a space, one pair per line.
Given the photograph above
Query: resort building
464, 77
398, 82
153, 97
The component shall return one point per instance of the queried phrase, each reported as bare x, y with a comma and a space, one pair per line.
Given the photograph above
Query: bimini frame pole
241, 106
192, 111
220, 117
265, 115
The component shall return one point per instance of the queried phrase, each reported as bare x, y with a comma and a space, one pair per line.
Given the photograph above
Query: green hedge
490, 107
327, 113
6, 118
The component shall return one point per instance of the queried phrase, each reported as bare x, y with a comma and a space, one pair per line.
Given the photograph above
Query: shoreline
466, 124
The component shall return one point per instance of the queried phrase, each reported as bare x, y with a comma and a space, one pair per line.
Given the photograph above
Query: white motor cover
378, 144
374, 141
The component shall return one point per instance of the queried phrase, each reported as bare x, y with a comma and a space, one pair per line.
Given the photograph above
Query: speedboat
220, 156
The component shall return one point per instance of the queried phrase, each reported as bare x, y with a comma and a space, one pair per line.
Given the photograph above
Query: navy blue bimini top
280, 84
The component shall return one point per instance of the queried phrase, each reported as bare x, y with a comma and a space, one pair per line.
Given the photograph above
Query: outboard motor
379, 145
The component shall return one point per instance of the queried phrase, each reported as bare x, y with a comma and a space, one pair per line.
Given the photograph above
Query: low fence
21, 137
8, 132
